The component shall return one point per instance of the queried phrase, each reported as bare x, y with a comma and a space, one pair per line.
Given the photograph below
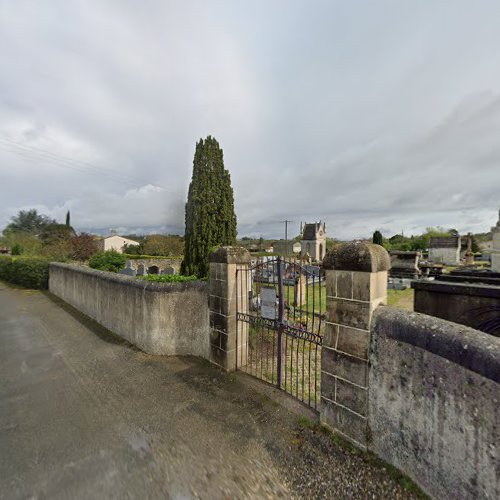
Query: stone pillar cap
230, 255
365, 257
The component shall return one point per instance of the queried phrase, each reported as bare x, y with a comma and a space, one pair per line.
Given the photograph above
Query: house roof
310, 230
121, 238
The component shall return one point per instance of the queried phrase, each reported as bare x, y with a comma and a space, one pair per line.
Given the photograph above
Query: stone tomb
404, 264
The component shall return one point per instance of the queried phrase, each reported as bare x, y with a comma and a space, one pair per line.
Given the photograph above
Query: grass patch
393, 472
402, 299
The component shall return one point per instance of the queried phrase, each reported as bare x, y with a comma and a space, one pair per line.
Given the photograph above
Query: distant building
115, 242
314, 241
283, 247
445, 250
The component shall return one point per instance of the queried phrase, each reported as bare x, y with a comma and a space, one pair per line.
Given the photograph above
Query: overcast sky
367, 114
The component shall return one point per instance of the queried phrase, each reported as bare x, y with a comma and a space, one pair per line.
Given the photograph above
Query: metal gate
280, 307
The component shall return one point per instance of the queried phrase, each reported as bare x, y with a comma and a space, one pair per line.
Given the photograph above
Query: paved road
85, 415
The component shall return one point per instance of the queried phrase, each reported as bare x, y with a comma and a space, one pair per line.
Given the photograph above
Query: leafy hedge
131, 256
30, 272
167, 278
108, 261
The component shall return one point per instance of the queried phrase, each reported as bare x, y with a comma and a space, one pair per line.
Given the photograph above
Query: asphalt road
85, 415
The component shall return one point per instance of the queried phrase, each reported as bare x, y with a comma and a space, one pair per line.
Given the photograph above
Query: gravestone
300, 290
168, 270
141, 270
129, 270
469, 256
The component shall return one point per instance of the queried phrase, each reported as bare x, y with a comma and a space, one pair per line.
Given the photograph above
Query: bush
108, 261
168, 278
16, 249
5, 267
130, 256
59, 251
30, 272
83, 246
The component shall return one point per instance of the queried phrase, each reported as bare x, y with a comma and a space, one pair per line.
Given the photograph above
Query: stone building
495, 252
314, 241
445, 250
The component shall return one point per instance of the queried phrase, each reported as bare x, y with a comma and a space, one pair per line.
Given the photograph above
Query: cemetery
314, 324
377, 381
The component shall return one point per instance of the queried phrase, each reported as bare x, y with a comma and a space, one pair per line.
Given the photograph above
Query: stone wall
474, 305
161, 263
434, 403
159, 318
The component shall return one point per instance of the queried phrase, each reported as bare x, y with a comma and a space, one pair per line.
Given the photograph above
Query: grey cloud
380, 117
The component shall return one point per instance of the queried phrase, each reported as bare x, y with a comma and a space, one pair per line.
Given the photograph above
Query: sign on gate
268, 302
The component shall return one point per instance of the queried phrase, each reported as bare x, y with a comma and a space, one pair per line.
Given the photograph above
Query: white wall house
116, 243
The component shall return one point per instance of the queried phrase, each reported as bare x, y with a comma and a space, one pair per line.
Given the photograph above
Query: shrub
59, 251
16, 249
168, 278
108, 261
30, 272
83, 246
130, 256
5, 267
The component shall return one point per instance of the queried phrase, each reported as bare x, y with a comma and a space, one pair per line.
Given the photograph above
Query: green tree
210, 217
165, 245
55, 233
378, 238
475, 246
28, 221
68, 219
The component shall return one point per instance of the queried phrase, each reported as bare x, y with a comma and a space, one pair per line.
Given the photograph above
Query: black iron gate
280, 312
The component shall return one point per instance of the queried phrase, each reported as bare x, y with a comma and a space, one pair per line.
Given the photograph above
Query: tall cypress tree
378, 238
68, 221
210, 217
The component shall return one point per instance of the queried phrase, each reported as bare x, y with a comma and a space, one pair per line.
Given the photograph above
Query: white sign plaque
268, 302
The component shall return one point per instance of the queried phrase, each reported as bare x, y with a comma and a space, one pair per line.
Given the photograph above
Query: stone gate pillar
224, 295
356, 283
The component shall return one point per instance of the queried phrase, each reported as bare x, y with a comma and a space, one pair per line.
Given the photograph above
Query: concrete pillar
225, 293
356, 283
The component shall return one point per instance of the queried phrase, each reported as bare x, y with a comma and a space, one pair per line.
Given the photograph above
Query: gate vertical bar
281, 314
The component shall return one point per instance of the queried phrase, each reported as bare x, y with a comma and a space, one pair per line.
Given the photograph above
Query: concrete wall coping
472, 349
442, 286
131, 280
365, 257
230, 255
